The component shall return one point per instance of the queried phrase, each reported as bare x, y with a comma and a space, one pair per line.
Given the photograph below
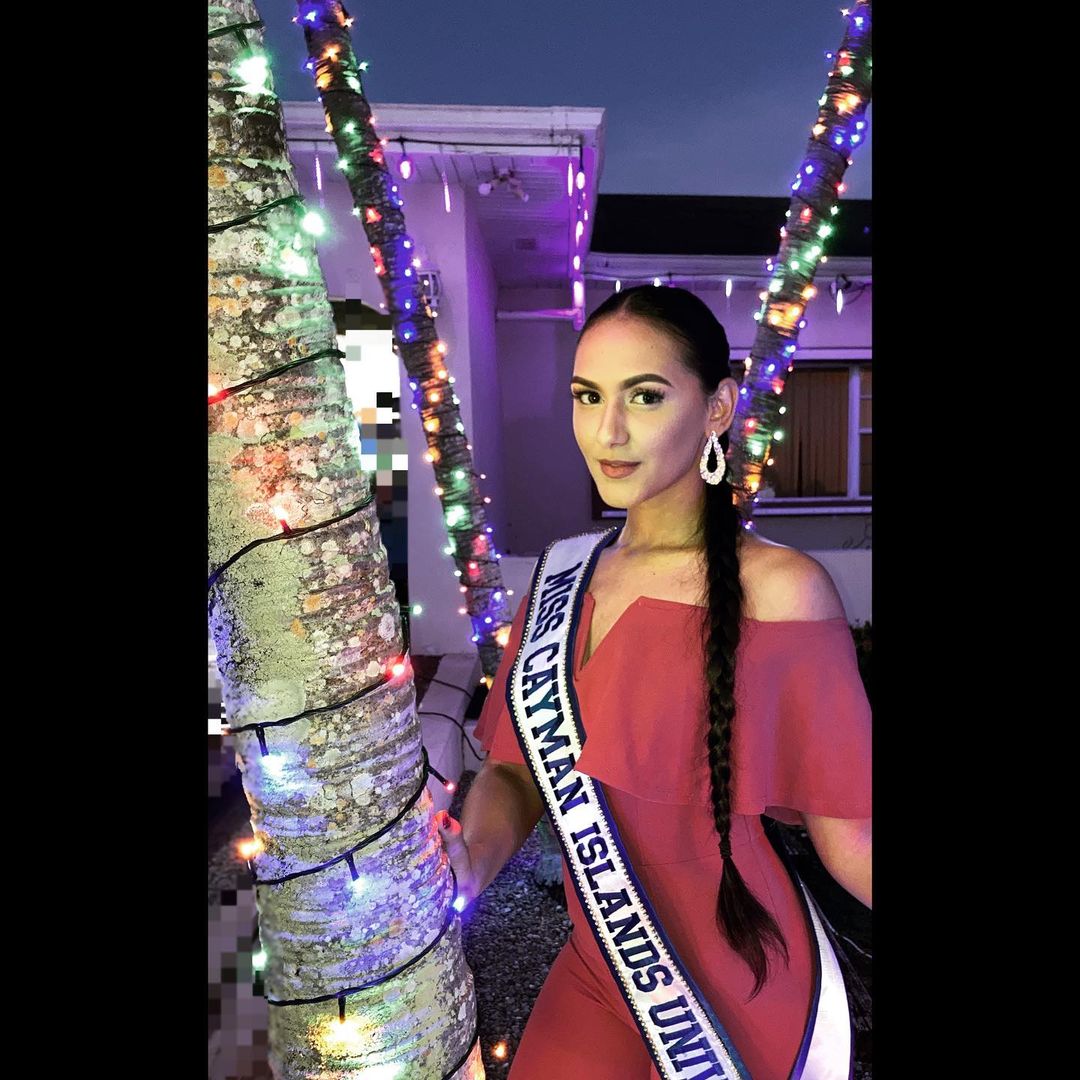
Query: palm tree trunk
307, 632
840, 128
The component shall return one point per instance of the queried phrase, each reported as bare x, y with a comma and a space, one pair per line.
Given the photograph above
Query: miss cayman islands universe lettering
675, 1025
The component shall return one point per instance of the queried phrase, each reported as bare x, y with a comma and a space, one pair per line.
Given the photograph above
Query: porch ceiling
530, 244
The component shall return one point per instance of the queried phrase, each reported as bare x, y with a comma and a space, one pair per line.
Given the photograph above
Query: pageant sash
683, 1035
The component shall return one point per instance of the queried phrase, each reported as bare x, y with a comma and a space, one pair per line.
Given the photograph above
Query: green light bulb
417, 609
313, 223
834, 211
350, 128
794, 264
459, 474
455, 515
258, 961
778, 436
363, 65
755, 447
825, 230
253, 71
846, 69
776, 285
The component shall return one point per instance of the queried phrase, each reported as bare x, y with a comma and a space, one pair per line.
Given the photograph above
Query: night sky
703, 97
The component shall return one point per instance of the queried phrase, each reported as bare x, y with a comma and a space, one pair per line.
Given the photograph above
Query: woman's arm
798, 587
844, 846
500, 811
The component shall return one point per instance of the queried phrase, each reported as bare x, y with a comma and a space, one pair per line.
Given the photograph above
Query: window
866, 442
828, 435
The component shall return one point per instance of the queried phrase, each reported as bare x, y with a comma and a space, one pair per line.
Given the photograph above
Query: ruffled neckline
585, 623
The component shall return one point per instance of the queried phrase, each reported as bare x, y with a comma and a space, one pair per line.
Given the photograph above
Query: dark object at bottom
850, 928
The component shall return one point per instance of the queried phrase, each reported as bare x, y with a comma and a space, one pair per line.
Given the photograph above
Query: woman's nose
612, 427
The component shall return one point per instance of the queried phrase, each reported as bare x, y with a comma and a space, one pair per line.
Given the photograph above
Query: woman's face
635, 402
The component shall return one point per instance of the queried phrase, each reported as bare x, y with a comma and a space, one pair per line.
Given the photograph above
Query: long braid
704, 349
740, 917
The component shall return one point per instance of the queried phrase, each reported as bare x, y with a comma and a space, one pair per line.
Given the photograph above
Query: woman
729, 689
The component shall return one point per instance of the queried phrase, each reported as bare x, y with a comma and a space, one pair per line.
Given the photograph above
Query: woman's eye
654, 396
581, 394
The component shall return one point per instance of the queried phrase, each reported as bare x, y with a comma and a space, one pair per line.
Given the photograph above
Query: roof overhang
529, 242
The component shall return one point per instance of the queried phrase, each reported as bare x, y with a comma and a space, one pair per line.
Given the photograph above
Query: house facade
493, 201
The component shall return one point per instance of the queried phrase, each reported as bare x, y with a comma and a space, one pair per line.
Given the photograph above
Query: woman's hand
458, 851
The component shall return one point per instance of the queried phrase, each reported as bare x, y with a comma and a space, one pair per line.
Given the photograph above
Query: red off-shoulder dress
801, 743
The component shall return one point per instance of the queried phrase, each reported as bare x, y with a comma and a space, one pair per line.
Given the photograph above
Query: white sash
683, 1035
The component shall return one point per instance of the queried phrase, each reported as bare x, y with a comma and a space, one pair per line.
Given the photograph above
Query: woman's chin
614, 495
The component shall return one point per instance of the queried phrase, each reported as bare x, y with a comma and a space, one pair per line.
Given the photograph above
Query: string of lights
217, 394
258, 725
379, 206
671, 277
449, 784
458, 144
243, 219
838, 130
347, 856
341, 995
286, 533
235, 28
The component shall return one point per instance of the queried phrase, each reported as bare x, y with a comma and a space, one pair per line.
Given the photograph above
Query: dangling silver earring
713, 476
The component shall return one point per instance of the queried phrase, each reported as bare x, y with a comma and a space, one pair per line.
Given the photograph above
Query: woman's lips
617, 471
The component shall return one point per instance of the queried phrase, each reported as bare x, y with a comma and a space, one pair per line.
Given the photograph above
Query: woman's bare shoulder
782, 583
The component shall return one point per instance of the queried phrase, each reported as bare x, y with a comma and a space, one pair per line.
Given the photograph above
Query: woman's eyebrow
626, 383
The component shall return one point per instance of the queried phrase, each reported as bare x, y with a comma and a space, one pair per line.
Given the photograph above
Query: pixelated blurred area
237, 1011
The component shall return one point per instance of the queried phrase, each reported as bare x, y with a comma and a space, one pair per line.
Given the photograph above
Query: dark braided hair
703, 349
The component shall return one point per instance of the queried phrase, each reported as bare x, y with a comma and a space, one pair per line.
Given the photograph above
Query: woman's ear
722, 405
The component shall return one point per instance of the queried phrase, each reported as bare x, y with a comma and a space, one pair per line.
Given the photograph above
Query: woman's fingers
458, 852
450, 828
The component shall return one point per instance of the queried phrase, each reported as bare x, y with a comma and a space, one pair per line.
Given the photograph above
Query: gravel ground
526, 924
